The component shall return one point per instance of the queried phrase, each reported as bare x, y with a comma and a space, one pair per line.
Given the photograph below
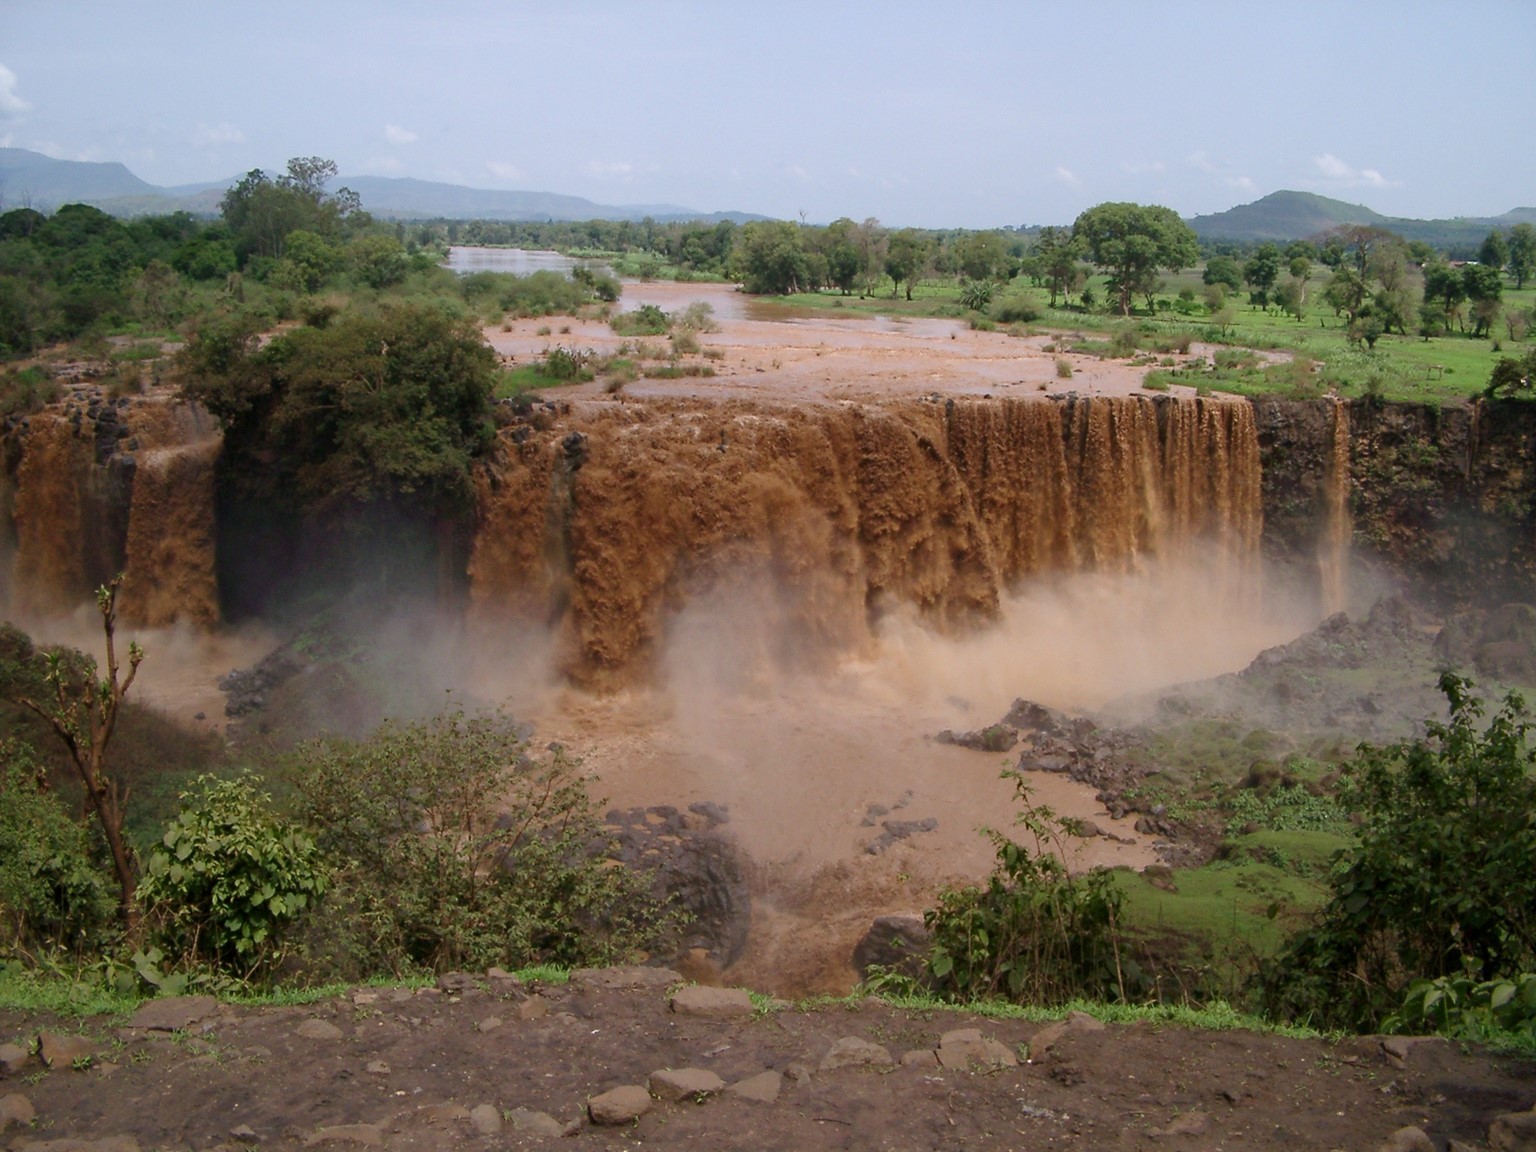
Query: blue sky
963, 114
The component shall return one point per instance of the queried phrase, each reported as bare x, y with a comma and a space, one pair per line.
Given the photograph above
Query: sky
972, 115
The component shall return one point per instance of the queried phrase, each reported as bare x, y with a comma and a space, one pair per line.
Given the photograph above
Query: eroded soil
416, 1069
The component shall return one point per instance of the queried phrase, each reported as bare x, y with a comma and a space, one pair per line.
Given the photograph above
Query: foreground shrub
52, 894
1034, 933
1443, 883
227, 878
451, 847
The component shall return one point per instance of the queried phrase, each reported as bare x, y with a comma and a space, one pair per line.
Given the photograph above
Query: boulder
173, 1013
16, 1111
897, 943
717, 1003
621, 1105
964, 1048
1408, 1139
1513, 1132
674, 1084
60, 1050
855, 1052
763, 1088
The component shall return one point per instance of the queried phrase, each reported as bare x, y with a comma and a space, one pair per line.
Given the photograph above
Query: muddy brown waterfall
1333, 546
606, 522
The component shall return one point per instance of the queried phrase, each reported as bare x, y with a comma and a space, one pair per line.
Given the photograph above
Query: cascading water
1338, 527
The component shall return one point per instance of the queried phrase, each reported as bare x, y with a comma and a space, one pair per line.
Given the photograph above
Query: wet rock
897, 943
620, 1105
173, 1013
993, 738
894, 831
920, 1058
1075, 1024
854, 1052
533, 1008
716, 1003
489, 1024
674, 1084
457, 983
698, 864
763, 1088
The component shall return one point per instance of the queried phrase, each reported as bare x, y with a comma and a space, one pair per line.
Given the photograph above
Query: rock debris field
628, 1057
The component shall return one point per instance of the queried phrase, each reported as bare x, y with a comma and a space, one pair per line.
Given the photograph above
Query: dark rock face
897, 943
698, 863
1499, 644
1442, 497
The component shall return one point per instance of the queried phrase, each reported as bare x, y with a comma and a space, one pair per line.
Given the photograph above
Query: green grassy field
1405, 368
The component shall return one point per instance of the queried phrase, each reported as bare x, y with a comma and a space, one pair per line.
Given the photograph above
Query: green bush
26, 391
1016, 310
228, 877
1034, 933
646, 320
1443, 882
52, 894
1467, 1010
451, 847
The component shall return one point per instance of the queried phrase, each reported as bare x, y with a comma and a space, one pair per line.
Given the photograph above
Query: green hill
1283, 215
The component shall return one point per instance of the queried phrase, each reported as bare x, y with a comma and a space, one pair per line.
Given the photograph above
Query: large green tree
770, 259
263, 212
1522, 253
905, 257
1131, 242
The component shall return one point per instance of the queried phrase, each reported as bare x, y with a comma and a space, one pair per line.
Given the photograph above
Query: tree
1059, 253
1132, 242
1494, 251
981, 255
1522, 253
1512, 377
1443, 880
83, 714
770, 258
1223, 270
840, 245
1261, 271
262, 212
1444, 294
1484, 287
905, 258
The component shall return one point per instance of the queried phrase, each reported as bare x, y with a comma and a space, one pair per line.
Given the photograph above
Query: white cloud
398, 135
12, 106
1336, 171
1065, 175
504, 171
612, 169
220, 133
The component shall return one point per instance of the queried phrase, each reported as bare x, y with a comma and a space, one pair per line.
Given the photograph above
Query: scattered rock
898, 943
363, 1135
1513, 1132
457, 983
377, 1068
485, 1119
533, 1008
1408, 1139
964, 1047
173, 1013
853, 1052
763, 1088
798, 1072
993, 738
920, 1058
674, 1084
535, 1123
103, 1144
619, 1105
717, 1003
318, 1030
13, 1058
16, 1111
59, 1050
897, 830
1075, 1023
489, 1024
244, 1133
611, 979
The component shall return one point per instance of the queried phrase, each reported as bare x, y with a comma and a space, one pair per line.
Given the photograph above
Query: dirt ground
470, 1066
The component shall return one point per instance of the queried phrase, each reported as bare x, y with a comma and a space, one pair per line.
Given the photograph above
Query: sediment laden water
1338, 527
85, 509
606, 522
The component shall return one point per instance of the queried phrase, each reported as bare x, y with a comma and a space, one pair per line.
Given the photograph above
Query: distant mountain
1288, 215
32, 179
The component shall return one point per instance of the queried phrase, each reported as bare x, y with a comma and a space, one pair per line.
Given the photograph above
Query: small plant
1063, 368
684, 343
697, 317
975, 295
1465, 1009
646, 320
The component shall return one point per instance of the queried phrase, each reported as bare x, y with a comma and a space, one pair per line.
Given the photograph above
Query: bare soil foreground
493, 1063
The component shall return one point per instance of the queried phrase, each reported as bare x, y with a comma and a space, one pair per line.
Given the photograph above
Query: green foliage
452, 847
1465, 1009
1443, 882
52, 893
646, 320
976, 294
1034, 933
26, 391
228, 876
1131, 242
770, 258
1511, 377
1289, 808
